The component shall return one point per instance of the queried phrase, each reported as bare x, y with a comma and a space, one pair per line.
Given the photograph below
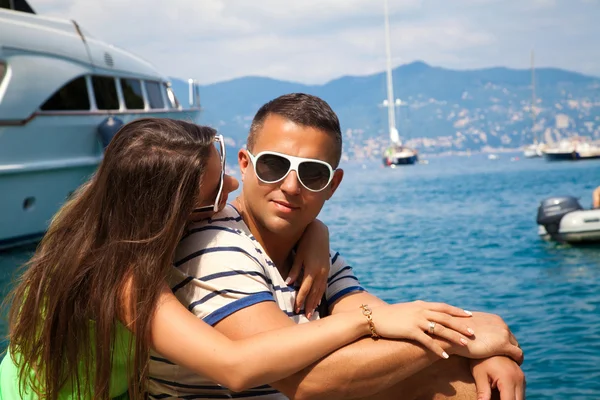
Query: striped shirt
220, 268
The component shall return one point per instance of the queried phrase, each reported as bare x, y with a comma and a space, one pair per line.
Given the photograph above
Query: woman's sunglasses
215, 207
272, 167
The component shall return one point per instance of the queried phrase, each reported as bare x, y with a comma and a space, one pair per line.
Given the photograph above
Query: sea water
462, 230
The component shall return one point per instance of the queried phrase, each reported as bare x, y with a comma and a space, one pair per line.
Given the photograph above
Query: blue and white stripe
220, 268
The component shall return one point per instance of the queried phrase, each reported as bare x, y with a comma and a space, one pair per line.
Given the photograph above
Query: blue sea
462, 230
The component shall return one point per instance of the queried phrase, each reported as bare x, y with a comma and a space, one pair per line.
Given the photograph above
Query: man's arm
364, 367
357, 370
596, 198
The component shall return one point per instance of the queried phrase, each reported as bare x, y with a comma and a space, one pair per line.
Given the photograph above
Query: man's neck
277, 247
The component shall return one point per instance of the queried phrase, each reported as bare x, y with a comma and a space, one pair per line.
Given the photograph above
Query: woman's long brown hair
107, 252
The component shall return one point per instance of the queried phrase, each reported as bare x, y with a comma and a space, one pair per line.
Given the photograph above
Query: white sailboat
396, 153
536, 149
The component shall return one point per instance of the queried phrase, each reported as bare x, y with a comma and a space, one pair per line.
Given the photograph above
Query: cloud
313, 41
318, 57
545, 3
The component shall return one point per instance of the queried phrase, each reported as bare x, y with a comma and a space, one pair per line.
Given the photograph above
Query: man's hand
492, 338
313, 262
500, 373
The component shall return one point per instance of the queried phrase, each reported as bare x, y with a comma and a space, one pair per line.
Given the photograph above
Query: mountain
445, 110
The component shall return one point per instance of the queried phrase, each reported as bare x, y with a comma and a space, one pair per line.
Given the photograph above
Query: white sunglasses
271, 167
215, 207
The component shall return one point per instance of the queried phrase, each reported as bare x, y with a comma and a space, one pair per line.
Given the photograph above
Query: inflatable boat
563, 219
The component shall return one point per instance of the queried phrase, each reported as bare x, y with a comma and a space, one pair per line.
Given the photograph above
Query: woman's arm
186, 340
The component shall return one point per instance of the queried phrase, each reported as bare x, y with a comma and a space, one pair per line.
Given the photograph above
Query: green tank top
119, 378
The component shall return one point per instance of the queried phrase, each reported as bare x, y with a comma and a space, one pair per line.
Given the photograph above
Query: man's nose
291, 184
231, 184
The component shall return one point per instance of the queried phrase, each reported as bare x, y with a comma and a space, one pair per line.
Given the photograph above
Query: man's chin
282, 226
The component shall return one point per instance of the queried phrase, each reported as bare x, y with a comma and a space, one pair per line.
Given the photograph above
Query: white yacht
396, 153
573, 149
63, 94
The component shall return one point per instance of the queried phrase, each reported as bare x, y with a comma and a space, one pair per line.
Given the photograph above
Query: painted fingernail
471, 331
445, 355
308, 315
463, 341
297, 310
469, 313
288, 280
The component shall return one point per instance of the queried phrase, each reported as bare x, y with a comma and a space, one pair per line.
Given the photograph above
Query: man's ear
243, 161
338, 175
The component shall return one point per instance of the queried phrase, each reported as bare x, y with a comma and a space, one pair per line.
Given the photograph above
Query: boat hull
43, 163
572, 156
572, 237
410, 160
581, 226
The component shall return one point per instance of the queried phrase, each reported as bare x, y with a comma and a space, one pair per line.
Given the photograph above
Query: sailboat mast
533, 101
390, 85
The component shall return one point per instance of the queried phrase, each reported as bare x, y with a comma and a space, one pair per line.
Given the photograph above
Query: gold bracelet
366, 310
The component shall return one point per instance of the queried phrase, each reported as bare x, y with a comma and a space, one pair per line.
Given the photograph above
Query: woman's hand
493, 338
420, 320
312, 258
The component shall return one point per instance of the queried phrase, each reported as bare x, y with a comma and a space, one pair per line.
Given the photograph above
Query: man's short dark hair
302, 109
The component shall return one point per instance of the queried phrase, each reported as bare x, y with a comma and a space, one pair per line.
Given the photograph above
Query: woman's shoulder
9, 380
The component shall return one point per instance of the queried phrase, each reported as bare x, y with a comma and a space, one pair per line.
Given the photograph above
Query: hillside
445, 110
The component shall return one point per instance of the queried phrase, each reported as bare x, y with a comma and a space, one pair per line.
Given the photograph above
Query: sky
315, 41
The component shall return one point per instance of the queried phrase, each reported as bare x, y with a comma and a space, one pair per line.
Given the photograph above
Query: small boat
563, 219
573, 149
399, 155
534, 150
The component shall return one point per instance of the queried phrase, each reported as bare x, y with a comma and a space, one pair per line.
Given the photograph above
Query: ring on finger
432, 327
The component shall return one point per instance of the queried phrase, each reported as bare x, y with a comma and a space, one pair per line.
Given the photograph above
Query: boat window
132, 92
17, 5
71, 97
173, 102
105, 92
155, 97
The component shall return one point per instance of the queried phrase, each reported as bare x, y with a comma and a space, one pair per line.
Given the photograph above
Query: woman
94, 298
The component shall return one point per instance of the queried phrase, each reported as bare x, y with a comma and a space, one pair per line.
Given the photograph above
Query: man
596, 198
230, 272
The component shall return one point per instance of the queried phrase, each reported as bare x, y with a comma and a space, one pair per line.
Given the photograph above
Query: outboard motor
108, 128
552, 210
